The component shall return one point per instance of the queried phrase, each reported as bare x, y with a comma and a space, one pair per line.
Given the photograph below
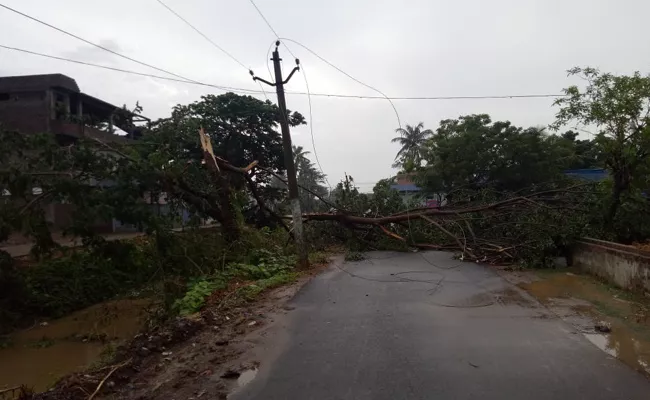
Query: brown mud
616, 321
204, 356
37, 357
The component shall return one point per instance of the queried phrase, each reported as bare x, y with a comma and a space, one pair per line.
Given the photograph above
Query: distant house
404, 184
589, 174
54, 104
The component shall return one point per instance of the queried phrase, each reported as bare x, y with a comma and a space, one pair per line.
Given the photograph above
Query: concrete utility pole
294, 200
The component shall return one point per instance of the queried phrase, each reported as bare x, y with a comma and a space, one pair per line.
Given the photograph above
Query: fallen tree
516, 228
493, 228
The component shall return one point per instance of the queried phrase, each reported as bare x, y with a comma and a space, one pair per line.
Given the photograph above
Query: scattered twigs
8, 390
101, 383
443, 229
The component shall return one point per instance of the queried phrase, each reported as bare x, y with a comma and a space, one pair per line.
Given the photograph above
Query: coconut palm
308, 177
412, 140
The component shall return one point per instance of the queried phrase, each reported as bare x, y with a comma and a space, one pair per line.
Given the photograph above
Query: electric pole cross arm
294, 200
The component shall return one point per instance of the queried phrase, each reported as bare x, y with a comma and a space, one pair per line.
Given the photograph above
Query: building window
5, 96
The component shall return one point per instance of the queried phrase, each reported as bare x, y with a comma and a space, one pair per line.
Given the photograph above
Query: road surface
425, 326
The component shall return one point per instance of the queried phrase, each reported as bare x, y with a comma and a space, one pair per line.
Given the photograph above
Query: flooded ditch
38, 356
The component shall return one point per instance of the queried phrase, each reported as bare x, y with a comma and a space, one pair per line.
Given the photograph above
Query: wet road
424, 326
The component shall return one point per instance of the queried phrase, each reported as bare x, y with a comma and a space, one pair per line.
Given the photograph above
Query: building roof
406, 188
591, 174
32, 83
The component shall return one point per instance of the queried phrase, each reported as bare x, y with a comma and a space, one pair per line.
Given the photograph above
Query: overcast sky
404, 48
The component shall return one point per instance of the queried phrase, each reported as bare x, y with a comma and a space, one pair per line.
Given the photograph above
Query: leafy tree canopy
618, 109
411, 139
474, 153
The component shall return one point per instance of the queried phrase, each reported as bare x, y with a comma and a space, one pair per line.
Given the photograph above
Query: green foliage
617, 107
319, 257
474, 153
412, 140
60, 285
253, 290
354, 256
309, 177
262, 264
195, 296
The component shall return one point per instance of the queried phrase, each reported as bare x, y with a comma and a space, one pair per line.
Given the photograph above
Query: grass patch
354, 256
251, 291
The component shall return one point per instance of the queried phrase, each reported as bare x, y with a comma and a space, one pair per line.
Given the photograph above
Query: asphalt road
424, 326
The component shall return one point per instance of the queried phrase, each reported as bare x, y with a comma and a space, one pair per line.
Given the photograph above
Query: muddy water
629, 339
624, 345
38, 356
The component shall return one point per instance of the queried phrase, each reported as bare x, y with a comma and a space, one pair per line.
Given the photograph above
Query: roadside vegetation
501, 191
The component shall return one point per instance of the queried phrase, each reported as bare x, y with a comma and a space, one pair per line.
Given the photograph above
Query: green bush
196, 294
253, 290
61, 285
182, 268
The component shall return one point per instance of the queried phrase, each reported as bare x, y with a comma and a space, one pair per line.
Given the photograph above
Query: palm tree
411, 139
300, 157
308, 177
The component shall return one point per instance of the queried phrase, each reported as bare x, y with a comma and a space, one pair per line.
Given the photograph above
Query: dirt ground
204, 356
212, 354
614, 320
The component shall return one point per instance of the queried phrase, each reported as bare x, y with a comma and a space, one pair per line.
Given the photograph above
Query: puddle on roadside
621, 344
38, 356
246, 377
629, 339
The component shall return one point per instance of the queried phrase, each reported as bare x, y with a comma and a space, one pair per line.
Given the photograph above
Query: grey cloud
408, 48
89, 53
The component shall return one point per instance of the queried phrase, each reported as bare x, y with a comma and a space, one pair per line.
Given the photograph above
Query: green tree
411, 139
309, 177
473, 153
587, 154
617, 107
115, 180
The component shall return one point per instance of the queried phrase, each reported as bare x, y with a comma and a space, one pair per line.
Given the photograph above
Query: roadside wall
623, 266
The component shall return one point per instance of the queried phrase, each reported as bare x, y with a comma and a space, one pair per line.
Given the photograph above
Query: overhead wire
254, 91
265, 20
311, 123
195, 29
95, 44
212, 42
304, 74
226, 88
399, 122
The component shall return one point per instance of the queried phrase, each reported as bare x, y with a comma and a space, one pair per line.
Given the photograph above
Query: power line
265, 20
227, 88
311, 127
251, 91
304, 74
311, 116
399, 122
209, 40
95, 44
202, 34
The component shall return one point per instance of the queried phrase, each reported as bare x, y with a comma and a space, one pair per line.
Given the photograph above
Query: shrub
196, 294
